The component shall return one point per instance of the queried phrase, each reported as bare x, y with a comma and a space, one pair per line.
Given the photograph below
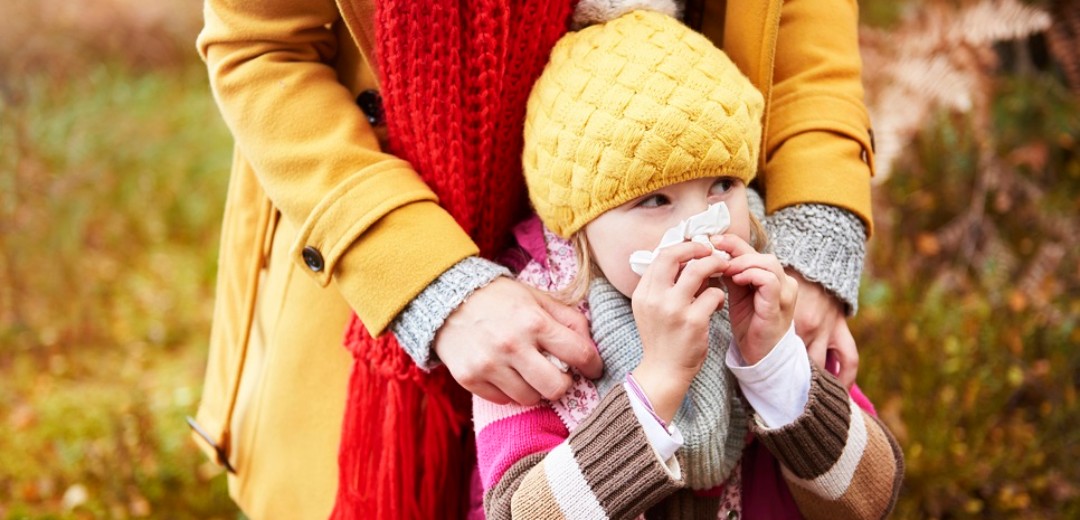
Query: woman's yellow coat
308, 173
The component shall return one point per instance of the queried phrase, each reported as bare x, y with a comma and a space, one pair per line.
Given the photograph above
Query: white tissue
559, 364
697, 228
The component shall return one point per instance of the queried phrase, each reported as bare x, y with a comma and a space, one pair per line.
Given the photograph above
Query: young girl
640, 140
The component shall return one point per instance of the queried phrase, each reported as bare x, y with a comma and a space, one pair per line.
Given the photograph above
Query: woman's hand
494, 344
673, 304
761, 297
821, 322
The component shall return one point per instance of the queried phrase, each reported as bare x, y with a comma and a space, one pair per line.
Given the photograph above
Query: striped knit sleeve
605, 469
507, 434
839, 461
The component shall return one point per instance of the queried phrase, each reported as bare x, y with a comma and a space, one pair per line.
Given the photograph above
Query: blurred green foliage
113, 168
112, 181
969, 333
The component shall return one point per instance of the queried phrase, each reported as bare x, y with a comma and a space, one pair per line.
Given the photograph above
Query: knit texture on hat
712, 418
630, 106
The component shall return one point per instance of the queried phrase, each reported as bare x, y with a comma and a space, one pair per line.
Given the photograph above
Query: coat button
313, 258
370, 102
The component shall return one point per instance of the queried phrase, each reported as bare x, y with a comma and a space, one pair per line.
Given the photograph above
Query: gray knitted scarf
712, 418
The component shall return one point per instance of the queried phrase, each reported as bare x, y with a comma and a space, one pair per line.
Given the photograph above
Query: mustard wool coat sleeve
377, 226
819, 142
804, 56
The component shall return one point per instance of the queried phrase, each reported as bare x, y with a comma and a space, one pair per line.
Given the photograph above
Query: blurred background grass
113, 168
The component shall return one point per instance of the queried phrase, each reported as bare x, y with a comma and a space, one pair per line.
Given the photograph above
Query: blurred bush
968, 328
113, 166
63, 39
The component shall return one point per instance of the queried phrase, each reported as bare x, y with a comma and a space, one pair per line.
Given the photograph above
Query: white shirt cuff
778, 386
665, 442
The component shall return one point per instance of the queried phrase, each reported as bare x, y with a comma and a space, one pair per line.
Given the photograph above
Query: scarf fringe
407, 436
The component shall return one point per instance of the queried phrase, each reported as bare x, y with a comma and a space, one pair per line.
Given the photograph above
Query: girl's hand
761, 297
672, 308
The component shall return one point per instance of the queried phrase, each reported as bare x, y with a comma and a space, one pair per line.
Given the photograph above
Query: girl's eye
722, 185
654, 201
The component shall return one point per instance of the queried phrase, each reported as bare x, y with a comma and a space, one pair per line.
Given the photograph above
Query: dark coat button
370, 102
313, 258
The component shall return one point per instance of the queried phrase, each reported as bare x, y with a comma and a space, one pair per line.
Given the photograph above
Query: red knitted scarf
455, 78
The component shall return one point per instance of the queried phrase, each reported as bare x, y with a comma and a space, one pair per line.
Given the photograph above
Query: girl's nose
689, 210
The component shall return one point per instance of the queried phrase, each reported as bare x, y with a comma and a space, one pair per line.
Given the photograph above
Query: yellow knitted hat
630, 106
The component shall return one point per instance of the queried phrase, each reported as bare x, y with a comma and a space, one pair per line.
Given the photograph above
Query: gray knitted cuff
825, 244
417, 324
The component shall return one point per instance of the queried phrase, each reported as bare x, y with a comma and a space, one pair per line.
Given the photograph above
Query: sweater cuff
625, 473
825, 244
421, 319
813, 443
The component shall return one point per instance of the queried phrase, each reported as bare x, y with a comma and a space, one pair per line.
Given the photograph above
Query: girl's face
640, 223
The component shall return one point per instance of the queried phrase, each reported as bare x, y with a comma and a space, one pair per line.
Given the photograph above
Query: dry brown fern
1064, 39
939, 58
942, 59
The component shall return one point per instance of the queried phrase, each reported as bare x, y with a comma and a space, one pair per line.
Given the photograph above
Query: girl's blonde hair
578, 289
